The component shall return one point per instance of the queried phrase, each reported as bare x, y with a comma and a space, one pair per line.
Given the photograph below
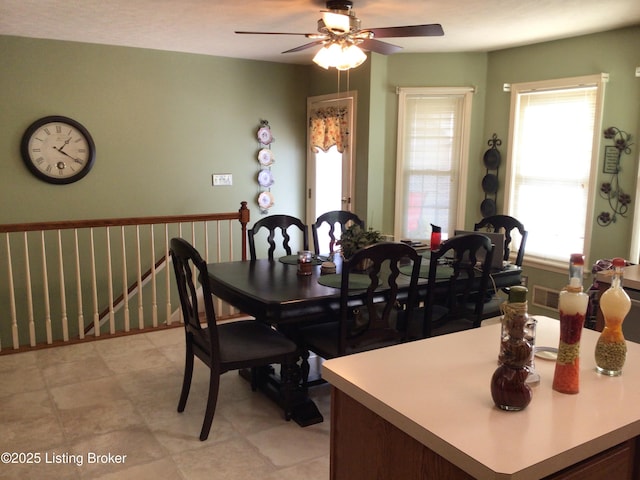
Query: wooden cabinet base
365, 446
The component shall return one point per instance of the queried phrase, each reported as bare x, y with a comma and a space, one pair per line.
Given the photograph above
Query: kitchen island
423, 410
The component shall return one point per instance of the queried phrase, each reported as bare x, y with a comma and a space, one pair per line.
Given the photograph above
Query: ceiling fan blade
274, 33
377, 46
429, 30
305, 46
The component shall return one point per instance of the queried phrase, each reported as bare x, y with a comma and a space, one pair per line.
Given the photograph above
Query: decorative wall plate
265, 178
265, 157
264, 135
265, 200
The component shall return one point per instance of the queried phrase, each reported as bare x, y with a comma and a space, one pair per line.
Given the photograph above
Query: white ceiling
207, 26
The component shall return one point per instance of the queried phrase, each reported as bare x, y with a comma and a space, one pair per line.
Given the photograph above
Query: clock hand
65, 144
65, 153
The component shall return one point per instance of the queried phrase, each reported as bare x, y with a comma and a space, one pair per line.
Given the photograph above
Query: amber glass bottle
509, 388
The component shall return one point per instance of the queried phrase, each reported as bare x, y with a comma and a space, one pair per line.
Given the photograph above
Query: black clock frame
26, 157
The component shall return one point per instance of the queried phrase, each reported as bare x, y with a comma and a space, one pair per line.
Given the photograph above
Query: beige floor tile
31, 435
13, 381
42, 470
66, 373
159, 470
67, 353
235, 459
11, 361
88, 393
303, 444
317, 469
85, 421
120, 395
134, 446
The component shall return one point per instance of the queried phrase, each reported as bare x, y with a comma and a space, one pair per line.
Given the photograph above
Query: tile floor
119, 397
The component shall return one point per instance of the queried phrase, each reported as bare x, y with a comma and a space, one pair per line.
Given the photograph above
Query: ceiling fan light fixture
341, 57
352, 57
337, 23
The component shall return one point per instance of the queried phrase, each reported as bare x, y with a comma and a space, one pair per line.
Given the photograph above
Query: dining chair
507, 225
273, 224
457, 285
228, 346
372, 313
333, 219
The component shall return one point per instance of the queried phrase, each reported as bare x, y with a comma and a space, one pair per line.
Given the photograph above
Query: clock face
58, 150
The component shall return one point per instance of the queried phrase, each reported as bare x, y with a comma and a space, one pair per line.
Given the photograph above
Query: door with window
330, 154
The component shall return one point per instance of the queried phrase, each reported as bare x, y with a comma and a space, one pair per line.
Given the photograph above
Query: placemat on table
293, 260
357, 281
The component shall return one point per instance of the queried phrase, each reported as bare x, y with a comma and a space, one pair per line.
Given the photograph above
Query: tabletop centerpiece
354, 238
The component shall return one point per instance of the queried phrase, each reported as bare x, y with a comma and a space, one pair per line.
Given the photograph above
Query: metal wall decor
611, 191
265, 159
490, 182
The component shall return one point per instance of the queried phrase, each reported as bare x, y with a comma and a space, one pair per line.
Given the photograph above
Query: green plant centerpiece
354, 238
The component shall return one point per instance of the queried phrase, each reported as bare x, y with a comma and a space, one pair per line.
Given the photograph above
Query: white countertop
437, 391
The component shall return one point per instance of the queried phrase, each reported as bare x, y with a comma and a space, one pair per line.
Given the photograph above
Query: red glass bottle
572, 304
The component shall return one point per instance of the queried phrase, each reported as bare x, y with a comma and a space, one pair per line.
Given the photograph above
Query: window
431, 172
551, 169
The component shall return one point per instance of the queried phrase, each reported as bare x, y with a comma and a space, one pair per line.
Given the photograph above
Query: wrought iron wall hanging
490, 183
611, 191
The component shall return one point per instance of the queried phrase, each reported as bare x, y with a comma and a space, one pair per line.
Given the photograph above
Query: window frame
597, 80
463, 166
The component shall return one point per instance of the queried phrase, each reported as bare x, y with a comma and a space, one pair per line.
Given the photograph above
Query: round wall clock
58, 150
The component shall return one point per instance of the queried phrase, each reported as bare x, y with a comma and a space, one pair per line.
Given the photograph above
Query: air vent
545, 298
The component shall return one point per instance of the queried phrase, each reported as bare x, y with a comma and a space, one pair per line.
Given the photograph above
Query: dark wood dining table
273, 292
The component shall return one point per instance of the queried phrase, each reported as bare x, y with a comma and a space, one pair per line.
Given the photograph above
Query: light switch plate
222, 179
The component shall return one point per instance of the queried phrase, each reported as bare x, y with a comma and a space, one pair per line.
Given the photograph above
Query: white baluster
32, 325
168, 275
63, 296
154, 295
12, 298
125, 287
94, 287
112, 318
139, 280
45, 285
79, 286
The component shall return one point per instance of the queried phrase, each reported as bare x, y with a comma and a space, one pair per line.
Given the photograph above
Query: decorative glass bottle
573, 304
517, 305
611, 348
509, 388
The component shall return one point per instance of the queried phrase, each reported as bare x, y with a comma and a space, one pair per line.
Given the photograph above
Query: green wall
615, 53
162, 122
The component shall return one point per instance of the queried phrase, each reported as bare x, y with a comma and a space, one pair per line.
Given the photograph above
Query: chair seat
250, 340
324, 339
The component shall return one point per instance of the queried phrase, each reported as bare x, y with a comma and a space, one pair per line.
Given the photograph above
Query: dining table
272, 291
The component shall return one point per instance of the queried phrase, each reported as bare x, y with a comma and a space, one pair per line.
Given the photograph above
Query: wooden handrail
243, 217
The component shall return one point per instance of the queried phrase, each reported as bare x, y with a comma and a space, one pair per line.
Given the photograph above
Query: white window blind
432, 132
552, 158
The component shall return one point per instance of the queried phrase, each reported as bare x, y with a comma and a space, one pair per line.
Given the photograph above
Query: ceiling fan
340, 26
